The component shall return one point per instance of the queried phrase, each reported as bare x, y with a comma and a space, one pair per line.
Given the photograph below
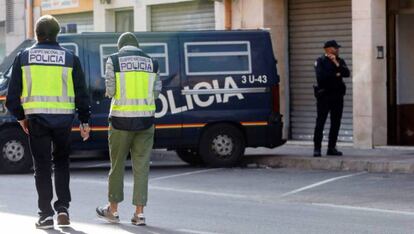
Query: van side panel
208, 78
238, 94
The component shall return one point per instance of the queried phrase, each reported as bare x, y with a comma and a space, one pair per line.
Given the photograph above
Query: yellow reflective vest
47, 80
135, 79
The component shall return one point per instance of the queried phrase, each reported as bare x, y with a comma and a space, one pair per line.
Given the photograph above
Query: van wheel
222, 145
189, 156
15, 155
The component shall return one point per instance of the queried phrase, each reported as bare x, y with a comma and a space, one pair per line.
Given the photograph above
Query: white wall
276, 20
104, 14
3, 10
369, 73
2, 29
247, 14
13, 39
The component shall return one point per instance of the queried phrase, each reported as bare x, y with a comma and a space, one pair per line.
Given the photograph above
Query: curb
356, 164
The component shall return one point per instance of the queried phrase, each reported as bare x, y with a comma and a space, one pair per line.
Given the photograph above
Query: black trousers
41, 139
325, 105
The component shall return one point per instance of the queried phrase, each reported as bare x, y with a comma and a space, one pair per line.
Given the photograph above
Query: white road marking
230, 195
93, 181
195, 231
130, 184
184, 174
191, 191
320, 183
105, 164
361, 208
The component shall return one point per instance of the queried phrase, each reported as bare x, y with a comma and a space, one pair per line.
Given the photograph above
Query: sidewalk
386, 159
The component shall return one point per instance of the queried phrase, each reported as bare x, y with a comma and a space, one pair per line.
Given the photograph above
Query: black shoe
333, 152
45, 222
317, 153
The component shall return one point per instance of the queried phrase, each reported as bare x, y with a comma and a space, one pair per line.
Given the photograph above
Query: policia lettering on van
220, 93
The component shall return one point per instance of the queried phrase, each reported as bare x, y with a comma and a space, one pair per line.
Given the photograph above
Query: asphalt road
185, 199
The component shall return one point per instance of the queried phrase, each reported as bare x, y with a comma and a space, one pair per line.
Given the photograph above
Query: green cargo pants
139, 144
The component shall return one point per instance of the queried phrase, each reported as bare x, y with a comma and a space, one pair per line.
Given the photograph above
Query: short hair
47, 28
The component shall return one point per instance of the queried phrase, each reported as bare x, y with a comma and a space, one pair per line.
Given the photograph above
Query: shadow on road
66, 230
147, 229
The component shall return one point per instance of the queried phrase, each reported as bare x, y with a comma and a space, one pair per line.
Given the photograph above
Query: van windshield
6, 65
4, 78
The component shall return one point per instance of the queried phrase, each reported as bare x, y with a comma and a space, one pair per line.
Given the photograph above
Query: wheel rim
13, 151
222, 145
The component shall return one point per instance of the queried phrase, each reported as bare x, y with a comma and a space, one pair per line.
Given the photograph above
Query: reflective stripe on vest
134, 94
47, 90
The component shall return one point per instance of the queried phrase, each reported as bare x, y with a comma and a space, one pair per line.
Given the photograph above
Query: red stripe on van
171, 126
276, 98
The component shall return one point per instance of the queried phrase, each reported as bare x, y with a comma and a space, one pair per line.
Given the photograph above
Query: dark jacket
82, 102
329, 76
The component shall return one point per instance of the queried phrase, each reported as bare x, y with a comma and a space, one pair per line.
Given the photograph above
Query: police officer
329, 93
46, 88
132, 81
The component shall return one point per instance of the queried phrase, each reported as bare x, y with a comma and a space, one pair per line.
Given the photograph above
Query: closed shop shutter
84, 21
194, 15
311, 23
2, 41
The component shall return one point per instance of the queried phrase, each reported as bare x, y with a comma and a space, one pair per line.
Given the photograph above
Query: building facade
69, 13
12, 25
374, 34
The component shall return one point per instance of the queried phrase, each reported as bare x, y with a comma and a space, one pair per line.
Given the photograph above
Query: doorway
401, 73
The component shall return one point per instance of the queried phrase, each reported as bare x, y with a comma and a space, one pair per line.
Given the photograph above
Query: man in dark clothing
47, 87
329, 93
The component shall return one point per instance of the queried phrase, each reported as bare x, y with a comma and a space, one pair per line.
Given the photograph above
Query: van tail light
275, 99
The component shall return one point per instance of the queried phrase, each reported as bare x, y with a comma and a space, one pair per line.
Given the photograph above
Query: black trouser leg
322, 113
337, 106
61, 150
40, 146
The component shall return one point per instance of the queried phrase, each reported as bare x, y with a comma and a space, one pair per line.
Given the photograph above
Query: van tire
222, 145
190, 156
15, 156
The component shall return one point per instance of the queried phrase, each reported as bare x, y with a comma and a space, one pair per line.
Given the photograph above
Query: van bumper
274, 132
269, 135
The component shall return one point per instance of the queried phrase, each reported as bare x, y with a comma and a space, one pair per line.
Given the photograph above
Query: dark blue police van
220, 95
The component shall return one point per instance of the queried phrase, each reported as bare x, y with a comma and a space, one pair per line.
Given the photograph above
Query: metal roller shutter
194, 15
311, 23
84, 21
2, 41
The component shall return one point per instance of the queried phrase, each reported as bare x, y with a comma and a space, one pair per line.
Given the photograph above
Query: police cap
331, 43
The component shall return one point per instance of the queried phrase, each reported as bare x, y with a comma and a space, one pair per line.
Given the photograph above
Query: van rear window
157, 51
218, 58
71, 46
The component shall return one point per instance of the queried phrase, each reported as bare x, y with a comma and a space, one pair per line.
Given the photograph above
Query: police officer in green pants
132, 81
